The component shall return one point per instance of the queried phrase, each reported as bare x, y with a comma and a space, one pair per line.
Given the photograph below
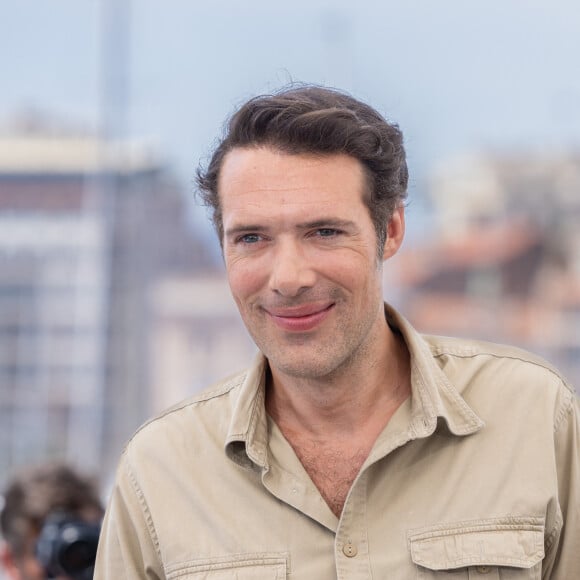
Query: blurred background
113, 301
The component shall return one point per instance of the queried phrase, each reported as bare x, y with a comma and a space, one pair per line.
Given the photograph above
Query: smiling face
301, 256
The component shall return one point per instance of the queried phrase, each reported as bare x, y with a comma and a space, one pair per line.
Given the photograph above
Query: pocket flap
262, 566
515, 542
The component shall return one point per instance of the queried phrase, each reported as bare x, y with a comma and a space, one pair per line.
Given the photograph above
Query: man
50, 523
353, 447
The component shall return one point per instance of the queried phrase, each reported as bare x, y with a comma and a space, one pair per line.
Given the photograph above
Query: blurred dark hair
35, 492
314, 120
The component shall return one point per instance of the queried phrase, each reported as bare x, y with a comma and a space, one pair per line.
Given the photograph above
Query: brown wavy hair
310, 119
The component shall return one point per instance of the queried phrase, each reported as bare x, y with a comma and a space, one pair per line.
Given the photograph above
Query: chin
303, 369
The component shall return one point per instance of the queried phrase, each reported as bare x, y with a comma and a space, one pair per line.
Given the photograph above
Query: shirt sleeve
562, 560
128, 547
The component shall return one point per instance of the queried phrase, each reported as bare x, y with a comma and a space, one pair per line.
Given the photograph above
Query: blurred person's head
317, 121
35, 498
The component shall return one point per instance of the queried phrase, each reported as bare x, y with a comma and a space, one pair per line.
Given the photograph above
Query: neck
361, 397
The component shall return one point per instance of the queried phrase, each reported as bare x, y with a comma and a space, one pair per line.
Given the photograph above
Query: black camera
68, 547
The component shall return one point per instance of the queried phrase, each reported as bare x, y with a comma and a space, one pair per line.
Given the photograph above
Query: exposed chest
332, 469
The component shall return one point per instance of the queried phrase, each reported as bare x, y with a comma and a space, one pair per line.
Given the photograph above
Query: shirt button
483, 569
349, 550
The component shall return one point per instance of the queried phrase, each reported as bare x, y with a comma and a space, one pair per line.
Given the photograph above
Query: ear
395, 232
8, 562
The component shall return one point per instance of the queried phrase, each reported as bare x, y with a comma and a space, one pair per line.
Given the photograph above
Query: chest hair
331, 469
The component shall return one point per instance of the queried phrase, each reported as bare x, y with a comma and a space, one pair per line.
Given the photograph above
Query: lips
299, 318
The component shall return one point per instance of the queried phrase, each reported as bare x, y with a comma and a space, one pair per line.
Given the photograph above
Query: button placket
351, 543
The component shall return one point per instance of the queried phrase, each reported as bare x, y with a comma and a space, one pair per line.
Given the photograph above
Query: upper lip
298, 311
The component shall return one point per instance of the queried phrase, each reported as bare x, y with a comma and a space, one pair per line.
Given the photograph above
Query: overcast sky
456, 75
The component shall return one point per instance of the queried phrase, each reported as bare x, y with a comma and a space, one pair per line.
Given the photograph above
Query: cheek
351, 271
243, 280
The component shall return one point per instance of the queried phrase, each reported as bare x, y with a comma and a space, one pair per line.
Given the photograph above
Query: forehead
265, 176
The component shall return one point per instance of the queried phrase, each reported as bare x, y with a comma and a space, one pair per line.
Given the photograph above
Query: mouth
300, 318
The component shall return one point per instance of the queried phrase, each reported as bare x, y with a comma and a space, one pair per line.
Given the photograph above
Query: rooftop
57, 154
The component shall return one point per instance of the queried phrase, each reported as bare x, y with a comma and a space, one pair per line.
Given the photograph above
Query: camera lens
77, 556
68, 547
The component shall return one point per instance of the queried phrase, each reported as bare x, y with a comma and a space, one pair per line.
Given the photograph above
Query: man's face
301, 256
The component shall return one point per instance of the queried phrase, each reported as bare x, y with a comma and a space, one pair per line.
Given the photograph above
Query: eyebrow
319, 223
327, 223
243, 229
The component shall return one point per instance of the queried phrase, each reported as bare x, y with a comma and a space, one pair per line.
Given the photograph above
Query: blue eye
326, 232
249, 238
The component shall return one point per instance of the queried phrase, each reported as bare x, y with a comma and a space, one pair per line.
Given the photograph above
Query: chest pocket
498, 549
232, 567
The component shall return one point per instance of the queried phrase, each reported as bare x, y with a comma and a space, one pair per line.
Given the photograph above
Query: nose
292, 271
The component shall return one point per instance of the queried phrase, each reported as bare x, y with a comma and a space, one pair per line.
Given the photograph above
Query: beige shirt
476, 476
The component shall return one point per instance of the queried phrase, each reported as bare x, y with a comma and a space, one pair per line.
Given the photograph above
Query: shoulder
174, 449
442, 346
208, 410
480, 353
503, 380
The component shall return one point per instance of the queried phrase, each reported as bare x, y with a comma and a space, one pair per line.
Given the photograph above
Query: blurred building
198, 336
87, 230
503, 260
542, 187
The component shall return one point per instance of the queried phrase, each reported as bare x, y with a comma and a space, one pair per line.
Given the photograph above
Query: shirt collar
432, 397
247, 438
